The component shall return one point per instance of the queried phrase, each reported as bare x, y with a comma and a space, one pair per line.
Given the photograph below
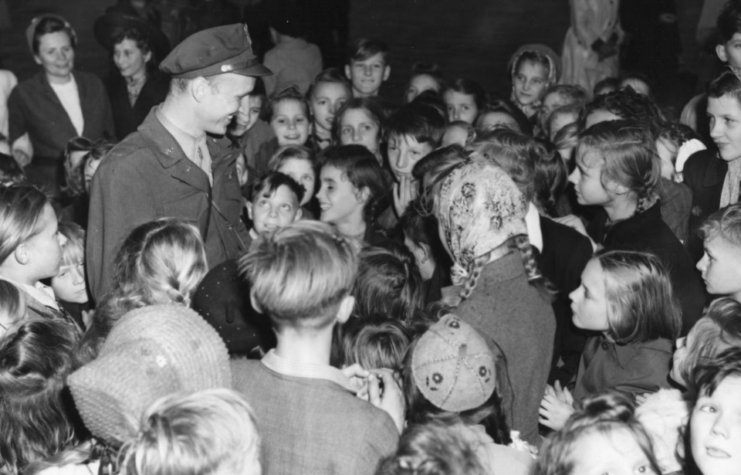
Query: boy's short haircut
419, 121
288, 152
729, 21
363, 48
269, 184
288, 94
212, 431
301, 273
571, 92
628, 105
379, 343
73, 251
724, 223
330, 75
21, 207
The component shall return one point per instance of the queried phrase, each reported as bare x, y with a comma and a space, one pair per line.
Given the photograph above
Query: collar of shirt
190, 144
43, 293
301, 370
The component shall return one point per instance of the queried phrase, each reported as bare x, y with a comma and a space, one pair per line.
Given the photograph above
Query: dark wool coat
704, 173
126, 117
146, 177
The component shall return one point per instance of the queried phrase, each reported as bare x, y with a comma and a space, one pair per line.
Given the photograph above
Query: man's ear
200, 89
345, 310
386, 72
21, 254
253, 302
720, 50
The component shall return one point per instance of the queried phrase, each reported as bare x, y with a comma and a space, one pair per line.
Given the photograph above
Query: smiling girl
289, 117
533, 68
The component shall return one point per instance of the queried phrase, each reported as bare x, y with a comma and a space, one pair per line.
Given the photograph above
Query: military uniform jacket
147, 176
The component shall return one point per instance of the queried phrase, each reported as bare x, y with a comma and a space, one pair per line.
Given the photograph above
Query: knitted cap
453, 366
150, 353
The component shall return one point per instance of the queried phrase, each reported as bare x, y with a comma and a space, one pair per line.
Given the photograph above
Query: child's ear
21, 254
249, 210
425, 252
386, 72
147, 56
253, 302
720, 50
363, 195
299, 214
346, 307
347, 71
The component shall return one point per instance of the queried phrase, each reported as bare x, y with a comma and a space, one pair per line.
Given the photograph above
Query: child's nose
572, 177
401, 162
368, 71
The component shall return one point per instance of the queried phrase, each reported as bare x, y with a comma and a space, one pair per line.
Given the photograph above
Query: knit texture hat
150, 353
453, 366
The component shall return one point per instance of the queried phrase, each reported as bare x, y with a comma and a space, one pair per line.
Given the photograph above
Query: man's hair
420, 121
729, 20
269, 184
300, 274
212, 431
363, 48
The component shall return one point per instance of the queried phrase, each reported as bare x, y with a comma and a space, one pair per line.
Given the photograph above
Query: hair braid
474, 272
532, 270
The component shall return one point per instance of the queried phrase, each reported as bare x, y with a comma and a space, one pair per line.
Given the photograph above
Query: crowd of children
545, 281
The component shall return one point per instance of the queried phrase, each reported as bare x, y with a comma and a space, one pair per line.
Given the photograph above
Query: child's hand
641, 398
553, 411
358, 380
563, 394
405, 192
390, 398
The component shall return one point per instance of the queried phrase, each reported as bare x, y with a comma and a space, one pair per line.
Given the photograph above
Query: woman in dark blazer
136, 85
56, 104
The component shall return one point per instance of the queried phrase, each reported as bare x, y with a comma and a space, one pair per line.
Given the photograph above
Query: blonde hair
300, 274
73, 251
208, 432
21, 207
12, 307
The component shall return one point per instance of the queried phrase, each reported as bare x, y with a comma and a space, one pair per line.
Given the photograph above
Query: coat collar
624, 354
715, 171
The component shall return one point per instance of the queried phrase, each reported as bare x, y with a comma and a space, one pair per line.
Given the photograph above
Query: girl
498, 116
675, 144
560, 118
162, 261
532, 69
288, 114
481, 220
603, 437
627, 297
464, 99
714, 427
30, 247
425, 77
329, 91
458, 132
34, 422
360, 121
69, 284
451, 375
616, 169
298, 163
353, 190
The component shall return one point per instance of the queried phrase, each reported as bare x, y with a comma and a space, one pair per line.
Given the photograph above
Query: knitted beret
453, 366
150, 353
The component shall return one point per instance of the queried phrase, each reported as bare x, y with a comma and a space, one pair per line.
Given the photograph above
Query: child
452, 375
288, 114
30, 247
387, 285
160, 262
298, 163
481, 218
361, 121
375, 343
500, 116
720, 262
293, 61
566, 141
718, 330
458, 132
559, 95
616, 169
422, 240
34, 420
12, 307
340, 433
69, 284
252, 134
715, 183
532, 69
628, 298
603, 437
464, 99
413, 132
675, 144
560, 118
92, 162
367, 67
211, 431
353, 190
74, 159
329, 91
714, 427
425, 77
275, 203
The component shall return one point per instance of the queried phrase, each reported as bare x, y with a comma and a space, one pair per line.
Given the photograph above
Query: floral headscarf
478, 208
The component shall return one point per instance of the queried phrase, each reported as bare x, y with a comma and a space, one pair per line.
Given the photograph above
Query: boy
293, 61
367, 67
413, 131
721, 262
275, 203
309, 418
